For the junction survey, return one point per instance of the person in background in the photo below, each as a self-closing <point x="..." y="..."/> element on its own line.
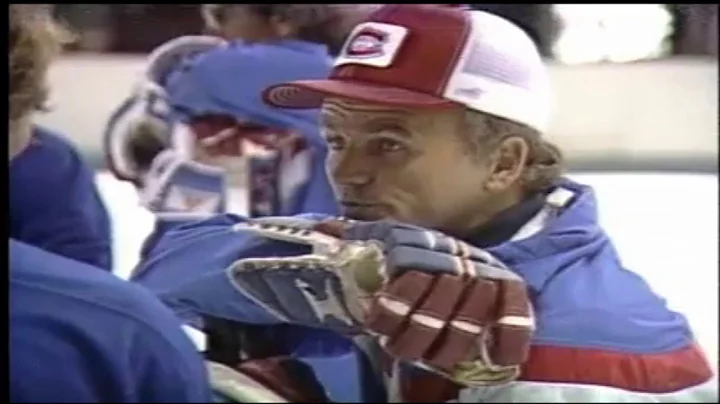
<point x="695" y="29"/>
<point x="54" y="202"/>
<point x="203" y="90"/>
<point x="229" y="152"/>
<point x="78" y="334"/>
<point x="92" y="24"/>
<point x="326" y="24"/>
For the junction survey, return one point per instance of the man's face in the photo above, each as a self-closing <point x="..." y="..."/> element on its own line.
<point x="407" y="165"/>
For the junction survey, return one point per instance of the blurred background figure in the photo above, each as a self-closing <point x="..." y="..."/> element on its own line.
<point x="139" y="28"/>
<point x="319" y="23"/>
<point x="54" y="202"/>
<point x="696" y="29"/>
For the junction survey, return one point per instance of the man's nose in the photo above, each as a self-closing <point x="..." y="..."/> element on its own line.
<point x="351" y="169"/>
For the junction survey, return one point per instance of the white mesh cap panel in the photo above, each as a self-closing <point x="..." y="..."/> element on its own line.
<point x="501" y="72"/>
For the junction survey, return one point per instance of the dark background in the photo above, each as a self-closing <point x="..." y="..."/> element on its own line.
<point x="138" y="28"/>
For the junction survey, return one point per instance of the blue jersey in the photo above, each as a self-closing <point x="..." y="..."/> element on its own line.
<point x="54" y="203"/>
<point x="82" y="335"/>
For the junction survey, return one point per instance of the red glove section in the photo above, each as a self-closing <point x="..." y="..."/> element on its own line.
<point x="446" y="320"/>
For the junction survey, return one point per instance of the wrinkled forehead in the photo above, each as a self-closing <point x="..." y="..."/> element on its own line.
<point x="350" y="112"/>
<point x="346" y="112"/>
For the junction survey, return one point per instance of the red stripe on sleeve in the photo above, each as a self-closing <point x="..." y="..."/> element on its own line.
<point x="649" y="373"/>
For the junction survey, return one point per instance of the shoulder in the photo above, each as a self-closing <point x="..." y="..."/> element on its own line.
<point x="54" y="140"/>
<point x="81" y="296"/>
<point x="53" y="144"/>
<point x="604" y="325"/>
<point x="51" y="161"/>
<point x="54" y="201"/>
<point x="63" y="312"/>
<point x="599" y="323"/>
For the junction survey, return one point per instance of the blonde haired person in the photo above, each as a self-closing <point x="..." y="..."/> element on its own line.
<point x="58" y="209"/>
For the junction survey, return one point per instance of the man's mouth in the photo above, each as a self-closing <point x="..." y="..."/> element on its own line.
<point x="362" y="210"/>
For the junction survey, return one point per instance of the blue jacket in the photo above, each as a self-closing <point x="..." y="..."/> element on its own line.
<point x="602" y="332"/>
<point x="55" y="204"/>
<point x="82" y="335"/>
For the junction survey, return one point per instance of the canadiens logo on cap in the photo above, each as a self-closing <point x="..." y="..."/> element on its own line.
<point x="367" y="42"/>
<point x="373" y="44"/>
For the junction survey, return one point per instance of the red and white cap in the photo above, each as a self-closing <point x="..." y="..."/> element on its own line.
<point x="416" y="56"/>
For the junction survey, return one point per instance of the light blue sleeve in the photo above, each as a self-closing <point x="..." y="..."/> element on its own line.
<point x="208" y="245"/>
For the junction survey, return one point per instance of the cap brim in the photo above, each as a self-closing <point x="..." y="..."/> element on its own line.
<point x="305" y="94"/>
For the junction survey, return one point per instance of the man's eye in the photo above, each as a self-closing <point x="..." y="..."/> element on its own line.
<point x="335" y="142"/>
<point x="388" y="146"/>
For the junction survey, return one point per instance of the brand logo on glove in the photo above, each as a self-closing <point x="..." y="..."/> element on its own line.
<point x="324" y="308"/>
<point x="186" y="199"/>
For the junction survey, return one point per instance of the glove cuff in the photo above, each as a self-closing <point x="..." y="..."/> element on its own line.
<point x="159" y="182"/>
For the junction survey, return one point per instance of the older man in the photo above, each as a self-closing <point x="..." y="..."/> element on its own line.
<point x="479" y="270"/>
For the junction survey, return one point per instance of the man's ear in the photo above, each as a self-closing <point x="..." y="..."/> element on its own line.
<point x="507" y="163"/>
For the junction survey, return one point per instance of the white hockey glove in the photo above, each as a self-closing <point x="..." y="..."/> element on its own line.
<point x="179" y="188"/>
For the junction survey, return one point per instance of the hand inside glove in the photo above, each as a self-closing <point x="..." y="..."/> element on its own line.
<point x="431" y="299"/>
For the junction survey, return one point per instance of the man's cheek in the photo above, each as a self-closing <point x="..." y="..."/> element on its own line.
<point x="331" y="162"/>
<point x="430" y="200"/>
<point x="407" y="199"/>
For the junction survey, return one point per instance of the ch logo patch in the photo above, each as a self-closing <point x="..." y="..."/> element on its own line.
<point x="367" y="43"/>
<point x="372" y="44"/>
